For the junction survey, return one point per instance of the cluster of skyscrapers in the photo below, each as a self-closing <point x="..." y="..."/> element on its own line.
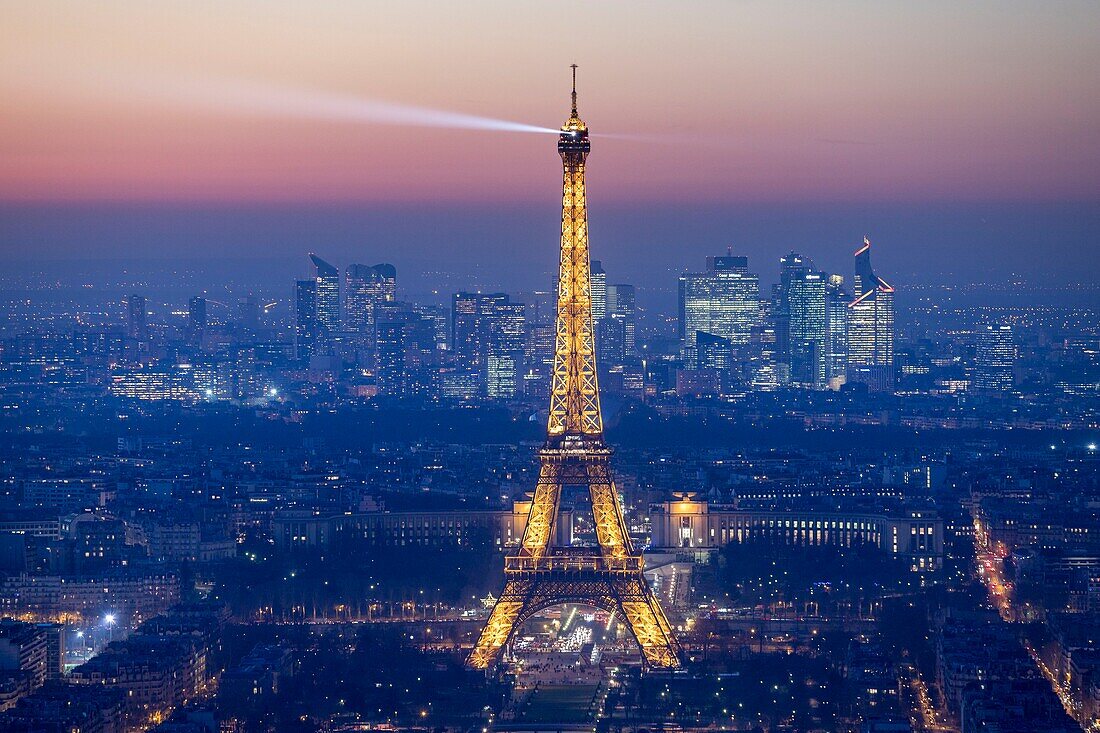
<point x="810" y="333"/>
<point x="319" y="317"/>
<point x="811" y="330"/>
<point x="485" y="345"/>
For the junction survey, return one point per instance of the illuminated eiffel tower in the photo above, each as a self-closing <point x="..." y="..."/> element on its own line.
<point x="540" y="574"/>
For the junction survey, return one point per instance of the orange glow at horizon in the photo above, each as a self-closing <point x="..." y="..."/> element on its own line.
<point x="713" y="101"/>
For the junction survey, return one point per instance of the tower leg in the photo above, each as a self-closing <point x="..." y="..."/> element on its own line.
<point x="629" y="597"/>
<point x="498" y="629"/>
<point x="611" y="530"/>
<point x="647" y="622"/>
<point x="539" y="532"/>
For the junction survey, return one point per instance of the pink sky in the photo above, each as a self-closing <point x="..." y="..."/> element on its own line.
<point x="751" y="100"/>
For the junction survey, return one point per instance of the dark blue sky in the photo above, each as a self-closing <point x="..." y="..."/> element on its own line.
<point x="514" y="247"/>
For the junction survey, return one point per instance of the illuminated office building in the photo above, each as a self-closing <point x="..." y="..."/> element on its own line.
<point x="724" y="301"/>
<point x="440" y="316"/>
<point x="365" y="288"/>
<point x="137" y="327"/>
<point x="620" y="302"/>
<point x="328" y="295"/>
<point x="836" y="332"/>
<point x="306" y="327"/>
<point x="196" y="320"/>
<point x="791" y="266"/>
<point x="505" y="359"/>
<point x="488" y="337"/>
<point x="616" y="331"/>
<point x="407" y="361"/>
<point x="871" y="327"/>
<point x="598" y="284"/>
<point x="995" y="359"/>
<point x="806" y="329"/>
<point x="713" y="352"/>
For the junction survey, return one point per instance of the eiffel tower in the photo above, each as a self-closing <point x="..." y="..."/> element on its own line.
<point x="540" y="574"/>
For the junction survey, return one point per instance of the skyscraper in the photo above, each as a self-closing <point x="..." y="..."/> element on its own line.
<point x="871" y="326"/>
<point x="328" y="294"/>
<point x="365" y="287"/>
<point x="137" y="327"/>
<point x="805" y="300"/>
<point x="470" y="316"/>
<point x="836" y="332"/>
<point x="616" y="332"/>
<point x="505" y="361"/>
<point x="762" y="369"/>
<point x="488" y="337"/>
<point x="196" y="320"/>
<point x="306" y="328"/>
<point x="598" y="284"/>
<point x="713" y="352"/>
<point x="408" y="361"/>
<point x="440" y="316"/>
<point x="723" y="301"/>
<point x="995" y="359"/>
<point x="611" y="341"/>
<point x="791" y="267"/>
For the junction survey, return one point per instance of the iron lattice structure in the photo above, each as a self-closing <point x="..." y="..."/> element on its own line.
<point x="540" y="575"/>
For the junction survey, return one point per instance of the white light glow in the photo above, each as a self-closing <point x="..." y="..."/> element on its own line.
<point x="188" y="92"/>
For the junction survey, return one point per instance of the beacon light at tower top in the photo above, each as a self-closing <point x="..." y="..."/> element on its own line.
<point x="187" y="91"/>
<point x="174" y="88"/>
<point x="236" y="95"/>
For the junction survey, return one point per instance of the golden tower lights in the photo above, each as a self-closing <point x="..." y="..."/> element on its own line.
<point x="541" y="575"/>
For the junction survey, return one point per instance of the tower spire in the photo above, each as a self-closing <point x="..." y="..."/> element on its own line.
<point x="574" y="394"/>
<point x="574" y="67"/>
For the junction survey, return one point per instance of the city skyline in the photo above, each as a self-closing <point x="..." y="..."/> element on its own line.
<point x="300" y="433"/>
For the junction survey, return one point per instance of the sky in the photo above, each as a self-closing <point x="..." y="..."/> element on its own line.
<point x="763" y="126"/>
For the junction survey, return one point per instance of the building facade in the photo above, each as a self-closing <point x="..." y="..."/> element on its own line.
<point x="502" y="529"/>
<point x="691" y="525"/>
